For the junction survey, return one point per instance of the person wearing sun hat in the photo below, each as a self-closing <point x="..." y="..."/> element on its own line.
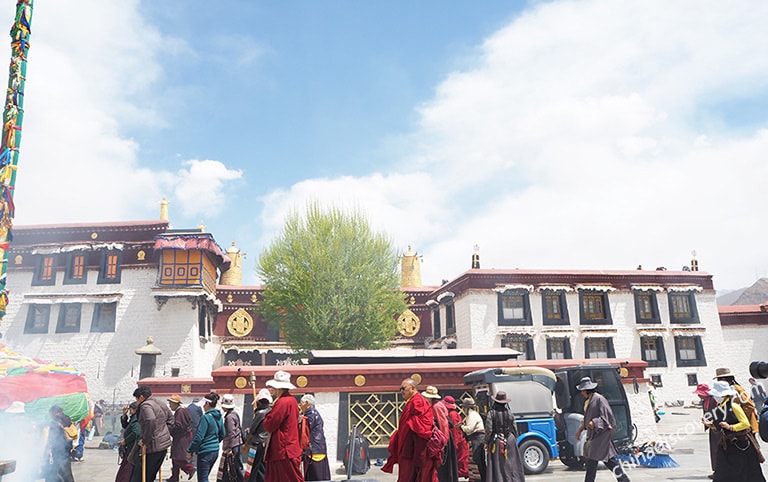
<point x="708" y="404"/>
<point x="503" y="460"/>
<point x="283" y="457"/>
<point x="599" y="423"/>
<point x="259" y="435"/>
<point x="447" y="470"/>
<point x="474" y="430"/>
<point x="459" y="442"/>
<point x="738" y="455"/>
<point x="725" y="375"/>
<point x="230" y="446"/>
<point x="181" y="433"/>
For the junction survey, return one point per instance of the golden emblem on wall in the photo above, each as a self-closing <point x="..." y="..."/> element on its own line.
<point x="186" y="389"/>
<point x="416" y="378"/>
<point x="254" y="298"/>
<point x="239" y="323"/>
<point x="623" y="372"/>
<point x="18" y="259"/>
<point x="408" y="323"/>
<point x="141" y="255"/>
<point x="360" y="380"/>
<point x="302" y="381"/>
<point x="241" y="382"/>
<point x="229" y="298"/>
<point x="94" y="235"/>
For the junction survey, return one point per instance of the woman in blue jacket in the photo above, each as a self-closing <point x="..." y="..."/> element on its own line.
<point x="210" y="433"/>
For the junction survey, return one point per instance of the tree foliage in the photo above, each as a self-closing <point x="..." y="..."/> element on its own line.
<point x="330" y="282"/>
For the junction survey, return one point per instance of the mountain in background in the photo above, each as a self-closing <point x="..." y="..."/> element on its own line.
<point x="757" y="294"/>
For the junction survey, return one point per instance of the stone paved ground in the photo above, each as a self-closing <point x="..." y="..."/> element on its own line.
<point x="679" y="426"/>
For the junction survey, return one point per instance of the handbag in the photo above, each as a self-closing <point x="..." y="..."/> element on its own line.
<point x="70" y="433"/>
<point x="133" y="455"/>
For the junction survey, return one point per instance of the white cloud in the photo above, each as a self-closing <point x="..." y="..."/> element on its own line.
<point x="200" y="188"/>
<point x="91" y="72"/>
<point x="582" y="137"/>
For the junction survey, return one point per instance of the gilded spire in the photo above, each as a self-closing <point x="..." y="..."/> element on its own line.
<point x="164" y="209"/>
<point x="234" y="275"/>
<point x="410" y="269"/>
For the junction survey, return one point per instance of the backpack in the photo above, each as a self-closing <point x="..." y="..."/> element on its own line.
<point x="70" y="433"/>
<point x="436" y="444"/>
<point x="361" y="460"/>
<point x="304" y="432"/>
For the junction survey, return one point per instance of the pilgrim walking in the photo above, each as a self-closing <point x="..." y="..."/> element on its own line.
<point x="599" y="423"/>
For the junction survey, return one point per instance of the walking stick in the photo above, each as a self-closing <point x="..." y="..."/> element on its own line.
<point x="160" y="473"/>
<point x="143" y="463"/>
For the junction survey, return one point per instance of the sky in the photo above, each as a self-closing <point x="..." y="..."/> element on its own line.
<point x="589" y="134"/>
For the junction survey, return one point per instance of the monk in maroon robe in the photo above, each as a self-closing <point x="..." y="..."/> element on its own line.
<point x="408" y="445"/>
<point x="283" y="455"/>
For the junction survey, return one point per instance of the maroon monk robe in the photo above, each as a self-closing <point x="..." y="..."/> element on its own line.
<point x="408" y="445"/>
<point x="283" y="457"/>
<point x="462" y="449"/>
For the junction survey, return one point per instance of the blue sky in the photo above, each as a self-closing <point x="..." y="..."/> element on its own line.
<point x="557" y="135"/>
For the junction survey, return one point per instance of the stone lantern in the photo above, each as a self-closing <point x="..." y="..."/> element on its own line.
<point x="148" y="353"/>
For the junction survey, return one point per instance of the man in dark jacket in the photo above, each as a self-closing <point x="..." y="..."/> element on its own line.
<point x="155" y="420"/>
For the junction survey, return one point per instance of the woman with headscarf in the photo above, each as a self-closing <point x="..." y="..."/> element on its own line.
<point x="503" y="461"/>
<point x="708" y="405"/>
<point x="210" y="433"/>
<point x="459" y="441"/>
<point x="738" y="456"/>
<point x="446" y="469"/>
<point x="131" y="435"/>
<point x="315" y="457"/>
<point x="58" y="448"/>
<point x="259" y="435"/>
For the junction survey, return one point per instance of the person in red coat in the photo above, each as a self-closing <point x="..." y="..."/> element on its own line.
<point x="283" y="456"/>
<point x="462" y="449"/>
<point x="408" y="445"/>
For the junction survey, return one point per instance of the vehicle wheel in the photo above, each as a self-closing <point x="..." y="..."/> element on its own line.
<point x="535" y="456"/>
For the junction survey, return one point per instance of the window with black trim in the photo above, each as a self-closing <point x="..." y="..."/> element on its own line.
<point x="594" y="307"/>
<point x="693" y="379"/>
<point x="656" y="381"/>
<point x="450" y="323"/>
<point x="599" y="348"/>
<point x="104" y="317"/>
<point x="554" y="308"/>
<point x="646" y="307"/>
<point x="682" y="307"/>
<point x="689" y="351"/>
<point x="559" y="349"/>
<point x="652" y="351"/>
<point x="75" y="273"/>
<point x="521" y="343"/>
<point x="514" y="308"/>
<point x="45" y="275"/>
<point x="109" y="271"/>
<point x="38" y="318"/>
<point x="69" y="318"/>
<point x="436" y="333"/>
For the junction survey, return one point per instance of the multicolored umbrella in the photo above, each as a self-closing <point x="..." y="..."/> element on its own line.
<point x="38" y="385"/>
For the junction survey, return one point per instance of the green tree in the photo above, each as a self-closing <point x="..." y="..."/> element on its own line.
<point x="330" y="282"/>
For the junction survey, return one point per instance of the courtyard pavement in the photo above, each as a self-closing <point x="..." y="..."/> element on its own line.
<point x="679" y="426"/>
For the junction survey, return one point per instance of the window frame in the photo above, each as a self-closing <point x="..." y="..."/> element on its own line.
<point x="609" y="349"/>
<point x="41" y="269"/>
<point x="654" y="302"/>
<point x="104" y="265"/>
<point x="661" y="356"/>
<point x="526" y="320"/>
<point x="29" y="327"/>
<point x="606" y="307"/>
<point x="69" y="278"/>
<point x="62" y="318"/>
<point x="530" y="354"/>
<point x="450" y="318"/>
<point x="436" y="328"/>
<point x="701" y="358"/>
<point x="694" y="312"/>
<point x="567" y="353"/>
<point x="546" y="312"/>
<point x="96" y="320"/>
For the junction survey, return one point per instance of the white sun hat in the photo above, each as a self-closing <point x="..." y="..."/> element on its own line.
<point x="281" y="379"/>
